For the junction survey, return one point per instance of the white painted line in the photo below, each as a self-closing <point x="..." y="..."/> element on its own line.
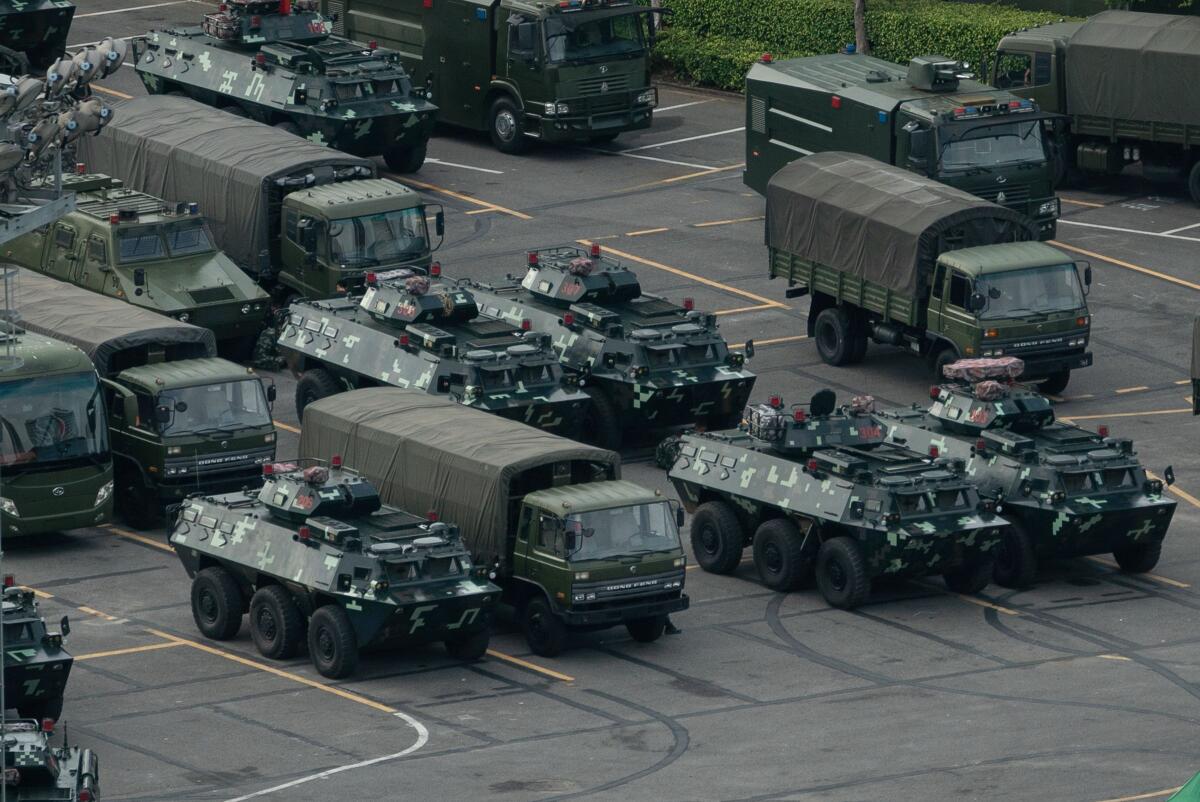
<point x="803" y="120"/>
<point x="648" y="158"/>
<point x="1167" y="235"/>
<point x="680" y="141"/>
<point x="422" y="739"/>
<point x="134" y="8"/>
<point x="1182" y="228"/>
<point x="464" y="166"/>
<point x="681" y="106"/>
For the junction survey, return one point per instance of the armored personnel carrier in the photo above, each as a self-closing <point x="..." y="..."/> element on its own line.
<point x="646" y="362"/>
<point x="35" y="770"/>
<point x="276" y="61"/>
<point x="315" y="548"/>
<point x="36" y="665"/>
<point x="1066" y="491"/>
<point x="417" y="332"/>
<point x="819" y="489"/>
<point x="34" y="34"/>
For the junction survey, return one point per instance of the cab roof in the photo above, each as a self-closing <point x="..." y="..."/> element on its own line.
<point x="592" y="496"/>
<point x="353" y="198"/>
<point x="185" y="373"/>
<point x="1002" y="257"/>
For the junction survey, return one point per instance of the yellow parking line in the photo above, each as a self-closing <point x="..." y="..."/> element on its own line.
<point x="728" y="222"/>
<point x="145" y="541"/>
<point x="744" y="309"/>
<point x="508" y="658"/>
<point x="1081" y="203"/>
<point x="1183" y="494"/>
<point x="97" y="613"/>
<point x="1184" y="381"/>
<point x="1151" y="795"/>
<point x="287" y="427"/>
<point x="646" y="231"/>
<point x="774" y="341"/>
<point x="486" y="206"/>
<point x="1127" y="265"/>
<point x="149" y="647"/>
<point x="1073" y="418"/>
<point x="1116" y="657"/>
<point x="1175" y="583"/>
<point x="1137" y="389"/>
<point x="686" y="176"/>
<point x="112" y="92"/>
<point x="41" y="594"/>
<point x="985" y="603"/>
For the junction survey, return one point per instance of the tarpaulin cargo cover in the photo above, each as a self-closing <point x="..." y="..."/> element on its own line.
<point x="880" y="223"/>
<point x="426" y="453"/>
<point x="181" y="150"/>
<point x="1136" y="66"/>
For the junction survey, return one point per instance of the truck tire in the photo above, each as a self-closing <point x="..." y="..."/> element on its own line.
<point x="969" y="579"/>
<point x="717" y="537"/>
<point x="289" y="126"/>
<point x="1016" y="560"/>
<point x="1138" y="558"/>
<point x="506" y="125"/>
<point x="276" y="623"/>
<point x="1055" y="383"/>
<point x="217" y="603"/>
<point x="42" y="709"/>
<point x="331" y="642"/>
<point x="1194" y="182"/>
<point x="601" y="424"/>
<point x="314" y="385"/>
<point x="404" y="160"/>
<point x="832" y="332"/>
<point x="236" y="111"/>
<point x="842" y="574"/>
<point x="545" y="632"/>
<point x="941" y="359"/>
<point x="646" y="630"/>
<point x="469" y="647"/>
<point x="779" y="556"/>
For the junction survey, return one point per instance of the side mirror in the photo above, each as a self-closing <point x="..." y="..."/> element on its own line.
<point x="1169" y="475"/>
<point x="919" y="142"/>
<point x="569" y="542"/>
<point x="272" y="393"/>
<point x="1087" y="276"/>
<point x="139" y="277"/>
<point x="162" y="414"/>
<point x="64" y="626"/>
<point x="680" y="517"/>
<point x="439" y="224"/>
<point x="976" y="303"/>
<point x="749" y="349"/>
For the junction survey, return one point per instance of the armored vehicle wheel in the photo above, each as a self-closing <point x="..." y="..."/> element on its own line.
<point x="331" y="642"/>
<point x="507" y="126"/>
<point x="969" y="579"/>
<point x="601" y="425"/>
<point x="1056" y="383"/>
<point x="469" y="647"/>
<point x="940" y="360"/>
<point x="42" y="709"/>
<point x="779" y="555"/>
<point x="1138" y="558"/>
<point x="544" y="631"/>
<point x="842" y="574"/>
<point x="175" y="93"/>
<point x="832" y="332"/>
<point x="1016" y="561"/>
<point x="647" y="630"/>
<point x="405" y="160"/>
<point x="276" y="623"/>
<point x="717" y="537"/>
<point x="217" y="603"/>
<point x="138" y="505"/>
<point x="314" y="385"/>
<point x="290" y="127"/>
<point x="1194" y="182"/>
<point x="236" y="111"/>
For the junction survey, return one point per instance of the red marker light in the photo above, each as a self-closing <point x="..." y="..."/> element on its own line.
<point x="526" y="324"/>
<point x="799" y="415"/>
<point x="303" y="533"/>
<point x="85" y="795"/>
<point x="533" y="257"/>
<point x="981" y="445"/>
<point x="260" y="59"/>
<point x="403" y="341"/>
<point x="427" y="4"/>
<point x="372" y="45"/>
<point x="432" y="516"/>
<point x="268" y="470"/>
<point x="113" y="219"/>
<point x="256" y="21"/>
<point x="80" y="168"/>
<point x="435" y="269"/>
<point x="835" y="101"/>
<point x="47" y="725"/>
<point x="775" y="401"/>
<point x="935" y="392"/>
<point x="933" y="452"/>
<point x="595" y="250"/>
<point x="285" y="7"/>
<point x="1014" y="104"/>
<point x="568" y="319"/>
<point x="9" y="580"/>
<point x="689" y="304"/>
<point x="1103" y="430"/>
<point x="371" y="279"/>
<point x="812" y="466"/>
<point x="336" y="461"/>
<point x="766" y="58"/>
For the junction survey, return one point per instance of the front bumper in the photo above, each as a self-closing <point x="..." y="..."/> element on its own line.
<point x="592" y="116"/>
<point x="57" y="522"/>
<point x="581" y="616"/>
<point x="228" y="322"/>
<point x="558" y="411"/>
<point x="1047" y="221"/>
<point x="909" y="552"/>
<point x="372" y="134"/>
<point x="661" y="404"/>
<point x="1038" y="366"/>
<point x="1080" y="527"/>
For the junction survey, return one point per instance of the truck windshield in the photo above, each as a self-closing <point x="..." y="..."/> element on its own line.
<point x="51" y="420"/>
<point x="578" y="37"/>
<point x="623" y="531"/>
<point x="1031" y="291"/>
<point x="220" y="407"/>
<point x="188" y="239"/>
<point x="140" y="245"/>
<point x="987" y="146"/>
<point x="375" y="238"/>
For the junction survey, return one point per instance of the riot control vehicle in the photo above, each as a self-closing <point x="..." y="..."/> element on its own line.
<point x="36" y="665"/>
<point x="35" y="770"/>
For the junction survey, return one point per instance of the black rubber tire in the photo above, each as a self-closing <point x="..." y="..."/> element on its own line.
<point x="969" y="579"/>
<point x="940" y="360"/>
<point x="217" y="603"/>
<point x="1055" y="384"/>
<point x="1194" y="182"/>
<point x="469" y="647"/>
<point x="832" y="333"/>
<point x="314" y="385"/>
<point x="276" y="623"/>
<point x="405" y="160"/>
<point x="1016" y="560"/>
<point x="545" y="632"/>
<point x="236" y="111"/>
<point x="332" y="645"/>
<point x="779" y="556"/>
<point x="717" y="537"/>
<point x="516" y="142"/>
<point x="601" y="424"/>
<point x="842" y="573"/>
<point x="1138" y="558"/>
<point x="858" y="349"/>
<point x="139" y="505"/>
<point x="42" y="709"/>
<point x="289" y="126"/>
<point x="647" y="630"/>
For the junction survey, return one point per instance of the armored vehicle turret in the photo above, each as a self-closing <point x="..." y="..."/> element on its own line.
<point x="421" y="333"/>
<point x="316" y="543"/>
<point x="819" y="488"/>
<point x="34" y="34"/>
<point x="275" y="61"/>
<point x="36" y="770"/>
<point x="36" y="665"/>
<point x="1067" y="491"/>
<point x="646" y="363"/>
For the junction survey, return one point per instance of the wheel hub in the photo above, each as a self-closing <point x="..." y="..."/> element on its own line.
<point x="208" y="606"/>
<point x="506" y="125"/>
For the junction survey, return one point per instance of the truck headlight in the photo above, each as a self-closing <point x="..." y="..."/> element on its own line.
<point x="561" y="108"/>
<point x="103" y="494"/>
<point x="1048" y="208"/>
<point x="582" y="576"/>
<point x="679" y="561"/>
<point x="245" y="309"/>
<point x="184" y="317"/>
<point x="269" y="438"/>
<point x="648" y="98"/>
<point x="174" y="450"/>
<point x="9" y="506"/>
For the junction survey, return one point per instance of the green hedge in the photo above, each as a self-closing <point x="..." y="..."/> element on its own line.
<point x="714" y="41"/>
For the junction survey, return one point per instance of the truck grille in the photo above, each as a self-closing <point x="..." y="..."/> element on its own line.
<point x="603" y="85"/>
<point x="208" y="295"/>
<point x="216" y="463"/>
<point x="634" y="586"/>
<point x="1014" y="197"/>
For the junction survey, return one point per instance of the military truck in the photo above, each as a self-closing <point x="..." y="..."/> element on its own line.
<point x="646" y="362"/>
<point x="926" y="118"/>
<point x="574" y="71"/>
<point x="276" y="62"/>
<point x="150" y="253"/>
<point x="301" y="219"/>
<point x="816" y="490"/>
<point x="34" y="770"/>
<point x="34" y="34"/>
<point x="422" y="333"/>
<point x="315" y="549"/>
<point x="572" y="545"/>
<point x="1124" y="81"/>
<point x="180" y="419"/>
<point x="910" y="262"/>
<point x="1066" y="491"/>
<point x="36" y="665"/>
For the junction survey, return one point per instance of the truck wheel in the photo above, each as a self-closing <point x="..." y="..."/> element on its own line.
<point x="314" y="385"/>
<point x="779" y="555"/>
<point x="842" y="574"/>
<point x="404" y="160"/>
<point x="276" y="623"/>
<point x="138" y="505"/>
<point x="236" y="111"/>
<point x="1016" y="560"/>
<point x="970" y="579"/>
<point x="1055" y="383"/>
<point x="217" y="603"/>
<point x="1194" y="182"/>
<point x="289" y="126"/>
<point x="717" y="537"/>
<point x="469" y="647"/>
<point x="832" y="332"/>
<point x="1138" y="558"/>
<point x="331" y="642"/>
<point x="545" y="632"/>
<point x="601" y="425"/>
<point x="940" y="360"/>
<point x="42" y="709"/>
<point x="506" y="125"/>
<point x="858" y="349"/>
<point x="646" y="630"/>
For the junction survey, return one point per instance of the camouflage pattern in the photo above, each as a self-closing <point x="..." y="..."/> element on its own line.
<point x="36" y="665"/>
<point x="35" y="770"/>
<point x="33" y="33"/>
<point x="657" y="363"/>
<point x="278" y="63"/>
<point x="407" y="332"/>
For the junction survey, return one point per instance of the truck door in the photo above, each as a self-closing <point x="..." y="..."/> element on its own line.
<point x="60" y="261"/>
<point x="459" y="55"/>
<point x="524" y="54"/>
<point x="520" y="560"/>
<point x="937" y="293"/>
<point x="93" y="268"/>
<point x="1028" y="75"/>
<point x="959" y="325"/>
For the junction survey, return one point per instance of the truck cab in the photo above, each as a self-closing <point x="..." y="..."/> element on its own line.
<point x="1029" y="63"/>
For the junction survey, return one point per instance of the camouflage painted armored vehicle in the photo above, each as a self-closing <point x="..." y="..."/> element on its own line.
<point x="645" y="362"/>
<point x="276" y="61"/>
<point x="33" y="34"/>
<point x="421" y="333"/>
<point x="819" y="489"/>
<point x="1066" y="491"/>
<point x="315" y="549"/>
<point x="37" y="771"/>
<point x="36" y="665"/>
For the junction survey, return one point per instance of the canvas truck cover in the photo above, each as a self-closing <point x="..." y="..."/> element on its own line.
<point x="181" y="150"/>
<point x="106" y="329"/>
<point x="426" y="453"/>
<point x="1136" y="66"/>
<point x="878" y="222"/>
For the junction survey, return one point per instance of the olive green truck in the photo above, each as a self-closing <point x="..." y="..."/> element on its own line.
<point x="890" y="257"/>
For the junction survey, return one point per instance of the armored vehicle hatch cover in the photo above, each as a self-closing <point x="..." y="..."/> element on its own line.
<point x="36" y="665"/>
